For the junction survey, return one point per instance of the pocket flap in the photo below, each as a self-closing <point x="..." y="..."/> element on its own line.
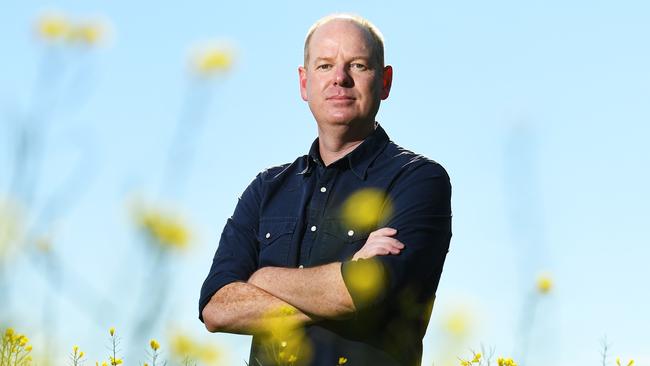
<point x="270" y="231"/>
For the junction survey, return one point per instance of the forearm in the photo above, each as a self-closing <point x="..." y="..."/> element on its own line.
<point x="318" y="290"/>
<point x="243" y="308"/>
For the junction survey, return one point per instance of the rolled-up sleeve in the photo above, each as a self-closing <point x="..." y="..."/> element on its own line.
<point x="421" y="214"/>
<point x="236" y="257"/>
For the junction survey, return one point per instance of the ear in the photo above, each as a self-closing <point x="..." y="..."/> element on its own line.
<point x="387" y="82"/>
<point x="302" y="77"/>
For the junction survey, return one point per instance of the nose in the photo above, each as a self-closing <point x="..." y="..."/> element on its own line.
<point x="342" y="77"/>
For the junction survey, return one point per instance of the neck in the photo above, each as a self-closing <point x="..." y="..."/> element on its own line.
<point x="334" y="142"/>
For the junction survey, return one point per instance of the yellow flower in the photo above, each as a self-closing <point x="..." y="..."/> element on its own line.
<point x="292" y="358"/>
<point x="81" y="354"/>
<point x="367" y="278"/>
<point x="477" y="358"/>
<point x="366" y="208"/>
<point x="75" y="349"/>
<point x="342" y="360"/>
<point x="618" y="362"/>
<point x="544" y="283"/>
<point x="506" y="362"/>
<point x="52" y="27"/>
<point x="211" y="59"/>
<point x="28" y="348"/>
<point x="89" y="33"/>
<point x="115" y="361"/>
<point x="111" y="331"/>
<point x="168" y="231"/>
<point x="104" y="363"/>
<point x="183" y="346"/>
<point x="154" y="345"/>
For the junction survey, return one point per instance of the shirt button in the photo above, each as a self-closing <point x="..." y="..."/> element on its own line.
<point x="351" y="232"/>
<point x="268" y="235"/>
<point x="301" y="266"/>
<point x="313" y="228"/>
<point x="323" y="189"/>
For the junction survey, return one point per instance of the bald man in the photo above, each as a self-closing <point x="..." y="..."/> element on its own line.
<point x="358" y="291"/>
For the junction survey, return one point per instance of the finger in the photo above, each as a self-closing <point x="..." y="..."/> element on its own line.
<point x="385" y="240"/>
<point x="385" y="231"/>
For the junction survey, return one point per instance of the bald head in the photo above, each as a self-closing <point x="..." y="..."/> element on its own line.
<point x="373" y="34"/>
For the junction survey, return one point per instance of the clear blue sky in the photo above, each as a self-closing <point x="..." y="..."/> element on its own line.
<point x="538" y="110"/>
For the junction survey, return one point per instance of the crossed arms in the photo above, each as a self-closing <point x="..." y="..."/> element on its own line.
<point x="422" y="220"/>
<point x="308" y="293"/>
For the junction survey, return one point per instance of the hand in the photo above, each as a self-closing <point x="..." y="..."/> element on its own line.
<point x="380" y="243"/>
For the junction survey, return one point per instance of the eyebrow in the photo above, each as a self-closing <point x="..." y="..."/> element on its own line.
<point x="365" y="58"/>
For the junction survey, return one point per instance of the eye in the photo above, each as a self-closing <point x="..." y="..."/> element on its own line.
<point x="324" y="67"/>
<point x="358" y="66"/>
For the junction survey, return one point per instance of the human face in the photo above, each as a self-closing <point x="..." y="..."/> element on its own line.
<point x="342" y="81"/>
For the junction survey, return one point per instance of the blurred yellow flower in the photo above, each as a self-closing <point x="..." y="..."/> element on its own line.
<point x="458" y="322"/>
<point x="366" y="277"/>
<point x="506" y="362"/>
<point x="184" y="346"/>
<point x="477" y="358"/>
<point x="154" y="345"/>
<point x="281" y="328"/>
<point x="111" y="331"/>
<point x="618" y="362"/>
<point x="115" y="361"/>
<point x="168" y="231"/>
<point x="366" y="208"/>
<point x="89" y="33"/>
<point x="342" y="360"/>
<point x="544" y="283"/>
<point x="55" y="27"/>
<point x="211" y="59"/>
<point x="52" y="27"/>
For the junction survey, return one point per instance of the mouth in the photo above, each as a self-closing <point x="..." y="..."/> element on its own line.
<point x="340" y="98"/>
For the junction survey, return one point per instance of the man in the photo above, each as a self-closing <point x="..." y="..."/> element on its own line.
<point x="358" y="277"/>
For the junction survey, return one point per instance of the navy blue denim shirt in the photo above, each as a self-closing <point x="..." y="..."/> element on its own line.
<point x="291" y="216"/>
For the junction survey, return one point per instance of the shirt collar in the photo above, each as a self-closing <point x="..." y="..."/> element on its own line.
<point x="358" y="159"/>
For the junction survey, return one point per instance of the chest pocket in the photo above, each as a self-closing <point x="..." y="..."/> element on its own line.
<point x="339" y="242"/>
<point x="274" y="237"/>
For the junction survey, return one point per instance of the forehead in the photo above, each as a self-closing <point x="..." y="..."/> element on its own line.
<point x="340" y="35"/>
